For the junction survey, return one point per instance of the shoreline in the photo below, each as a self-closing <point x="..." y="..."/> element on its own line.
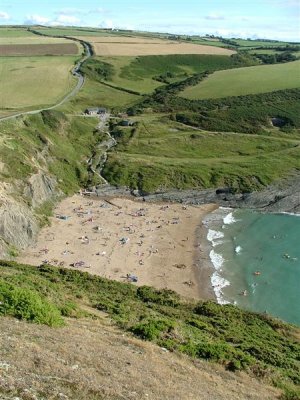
<point x="204" y="268"/>
<point x="122" y="238"/>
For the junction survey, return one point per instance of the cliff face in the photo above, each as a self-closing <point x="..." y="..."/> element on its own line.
<point x="18" y="222"/>
<point x="43" y="156"/>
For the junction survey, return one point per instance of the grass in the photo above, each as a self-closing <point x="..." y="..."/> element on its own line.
<point x="144" y="74"/>
<point x="32" y="82"/>
<point x="23" y="36"/>
<point x="250" y="80"/>
<point x="258" y="43"/>
<point x="160" y="154"/>
<point x="51" y="142"/>
<point x="96" y="94"/>
<point x="239" y="340"/>
<point x="68" y="31"/>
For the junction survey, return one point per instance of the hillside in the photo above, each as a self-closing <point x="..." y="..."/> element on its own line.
<point x="238" y="340"/>
<point x="91" y="359"/>
<point x="68" y="334"/>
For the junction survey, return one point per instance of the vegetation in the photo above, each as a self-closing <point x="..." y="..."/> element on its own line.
<point x="239" y="340"/>
<point x="24" y="79"/>
<point x="49" y="141"/>
<point x="274" y="58"/>
<point x="242" y="81"/>
<point x="159" y="154"/>
<point x="52" y="49"/>
<point x="15" y="35"/>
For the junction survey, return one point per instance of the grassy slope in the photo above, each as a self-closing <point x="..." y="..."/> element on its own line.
<point x="47" y="141"/>
<point x="224" y="334"/>
<point x="160" y="154"/>
<point x="95" y="94"/>
<point x="141" y="74"/>
<point x="250" y="80"/>
<point x="30" y="82"/>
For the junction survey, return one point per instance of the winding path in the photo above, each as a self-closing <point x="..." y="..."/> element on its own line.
<point x="75" y="72"/>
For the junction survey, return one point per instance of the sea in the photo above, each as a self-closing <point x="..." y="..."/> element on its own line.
<point x="256" y="257"/>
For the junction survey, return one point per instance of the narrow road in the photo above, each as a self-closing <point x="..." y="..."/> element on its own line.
<point x="75" y="72"/>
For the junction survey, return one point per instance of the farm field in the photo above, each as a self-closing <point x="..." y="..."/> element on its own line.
<point x="158" y="154"/>
<point x="258" y="43"/>
<point x="52" y="49"/>
<point x="22" y="36"/>
<point x="145" y="73"/>
<point x="249" y="80"/>
<point x="123" y="46"/>
<point x="209" y="42"/>
<point x="69" y="31"/>
<point x="34" y="81"/>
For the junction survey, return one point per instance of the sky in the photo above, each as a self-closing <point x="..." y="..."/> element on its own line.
<point x="272" y="19"/>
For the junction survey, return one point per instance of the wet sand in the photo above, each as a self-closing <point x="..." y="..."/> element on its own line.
<point x="161" y="245"/>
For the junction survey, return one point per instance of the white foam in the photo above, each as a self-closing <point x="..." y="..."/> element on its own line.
<point x="217" y="260"/>
<point x="290" y="213"/>
<point x="214" y="237"/>
<point x="218" y="283"/>
<point x="238" y="249"/>
<point x="229" y="219"/>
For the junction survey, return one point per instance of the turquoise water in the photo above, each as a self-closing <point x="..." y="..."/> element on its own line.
<point x="246" y="242"/>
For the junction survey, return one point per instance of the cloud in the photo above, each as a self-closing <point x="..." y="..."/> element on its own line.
<point x="33" y="19"/>
<point x="107" y="24"/>
<point x="67" y="19"/>
<point x="214" y="17"/>
<point x="68" y="11"/>
<point x="4" y="15"/>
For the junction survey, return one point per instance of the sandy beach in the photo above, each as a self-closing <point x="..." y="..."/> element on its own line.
<point x="161" y="245"/>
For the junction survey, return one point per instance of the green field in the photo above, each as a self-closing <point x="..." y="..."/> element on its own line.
<point x="258" y="43"/>
<point x="250" y="80"/>
<point x="146" y="73"/>
<point x="28" y="82"/>
<point x="22" y="36"/>
<point x="95" y="94"/>
<point x="159" y="154"/>
<point x="74" y="31"/>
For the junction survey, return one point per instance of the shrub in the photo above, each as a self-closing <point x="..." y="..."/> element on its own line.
<point x="152" y="329"/>
<point x="28" y="305"/>
<point x="163" y="297"/>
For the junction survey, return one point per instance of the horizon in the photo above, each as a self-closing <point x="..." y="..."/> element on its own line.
<point x="262" y="19"/>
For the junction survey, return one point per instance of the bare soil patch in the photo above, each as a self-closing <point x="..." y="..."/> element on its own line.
<point x="54" y="49"/>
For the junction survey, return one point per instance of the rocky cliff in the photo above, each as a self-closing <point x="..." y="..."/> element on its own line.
<point x="18" y="221"/>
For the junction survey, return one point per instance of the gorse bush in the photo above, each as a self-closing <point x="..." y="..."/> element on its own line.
<point x="28" y="305"/>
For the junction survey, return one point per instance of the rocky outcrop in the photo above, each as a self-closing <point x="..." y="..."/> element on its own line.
<point x="40" y="188"/>
<point x="18" y="226"/>
<point x="282" y="196"/>
<point x="18" y="223"/>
